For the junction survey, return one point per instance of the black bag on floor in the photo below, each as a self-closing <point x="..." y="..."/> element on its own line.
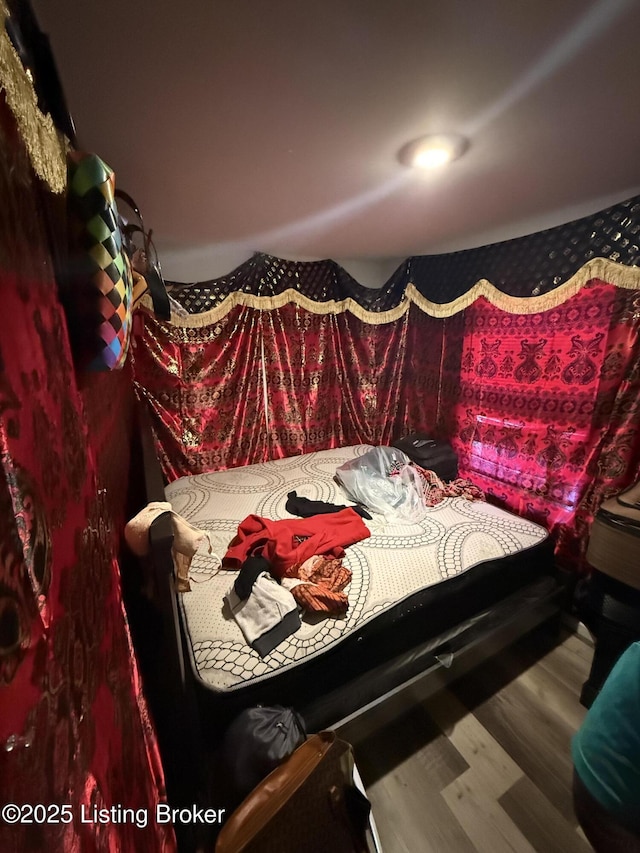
<point x="256" y="742"/>
<point x="430" y="453"/>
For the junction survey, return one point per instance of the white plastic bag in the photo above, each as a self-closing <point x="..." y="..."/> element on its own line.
<point x="368" y="480"/>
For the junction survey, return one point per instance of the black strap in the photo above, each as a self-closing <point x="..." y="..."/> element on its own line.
<point x="153" y="274"/>
<point x="305" y="508"/>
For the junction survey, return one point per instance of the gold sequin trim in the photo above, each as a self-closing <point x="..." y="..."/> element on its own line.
<point x="46" y="146"/>
<point x="608" y="271"/>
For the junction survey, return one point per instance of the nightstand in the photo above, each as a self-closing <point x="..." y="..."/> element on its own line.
<point x="611" y="611"/>
<point x="609" y="600"/>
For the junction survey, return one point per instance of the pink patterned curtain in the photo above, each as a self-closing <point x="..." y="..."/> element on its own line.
<point x="547" y="412"/>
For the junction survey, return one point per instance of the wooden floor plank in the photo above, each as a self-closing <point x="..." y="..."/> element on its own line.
<point x="524" y="724"/>
<point x="412" y="817"/>
<point x="415" y="737"/>
<point x="544" y="827"/>
<point x="482" y="818"/>
<point x="493" y="768"/>
<point x="545" y="685"/>
<point x="485" y="764"/>
<point x="570" y="662"/>
<point x="537" y="742"/>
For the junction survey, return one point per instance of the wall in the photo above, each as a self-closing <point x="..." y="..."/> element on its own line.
<point x="204" y="264"/>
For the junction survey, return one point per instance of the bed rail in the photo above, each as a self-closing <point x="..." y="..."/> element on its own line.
<point x="167" y="683"/>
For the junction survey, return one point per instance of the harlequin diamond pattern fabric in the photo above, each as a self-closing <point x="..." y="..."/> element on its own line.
<point x="100" y="288"/>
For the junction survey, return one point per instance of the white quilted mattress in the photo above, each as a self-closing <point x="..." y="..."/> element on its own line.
<point x="398" y="559"/>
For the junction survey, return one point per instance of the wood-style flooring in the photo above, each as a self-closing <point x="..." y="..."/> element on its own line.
<point x="484" y="765"/>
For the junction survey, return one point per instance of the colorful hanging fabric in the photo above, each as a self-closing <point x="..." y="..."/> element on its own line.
<point x="98" y="290"/>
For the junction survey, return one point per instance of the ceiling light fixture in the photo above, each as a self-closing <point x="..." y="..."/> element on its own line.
<point x="430" y="152"/>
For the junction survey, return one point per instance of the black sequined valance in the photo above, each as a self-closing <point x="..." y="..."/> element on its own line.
<point x="535" y="264"/>
<point x="265" y="275"/>
<point x="529" y="266"/>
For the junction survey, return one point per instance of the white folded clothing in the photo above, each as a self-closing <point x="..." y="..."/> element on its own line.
<point x="268" y="616"/>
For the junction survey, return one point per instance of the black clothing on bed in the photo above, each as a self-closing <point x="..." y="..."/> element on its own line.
<point x="305" y="507"/>
<point x="248" y="574"/>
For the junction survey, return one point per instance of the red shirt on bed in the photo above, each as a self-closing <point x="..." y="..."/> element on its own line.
<point x="286" y="544"/>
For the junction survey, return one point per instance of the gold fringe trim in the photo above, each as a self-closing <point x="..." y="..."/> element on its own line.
<point x="271" y="303"/>
<point x="46" y="146"/>
<point x="608" y="271"/>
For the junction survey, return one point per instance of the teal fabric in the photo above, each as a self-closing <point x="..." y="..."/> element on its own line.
<point x="606" y="749"/>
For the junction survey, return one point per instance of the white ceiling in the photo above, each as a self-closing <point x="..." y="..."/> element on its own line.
<point x="274" y="125"/>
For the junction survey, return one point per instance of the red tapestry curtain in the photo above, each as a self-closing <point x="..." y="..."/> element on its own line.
<point x="74" y="728"/>
<point x="546" y="417"/>
<point x="203" y="390"/>
<point x="266" y="384"/>
<point x="336" y="379"/>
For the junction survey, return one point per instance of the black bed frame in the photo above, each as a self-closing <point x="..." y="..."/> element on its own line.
<point x="183" y="709"/>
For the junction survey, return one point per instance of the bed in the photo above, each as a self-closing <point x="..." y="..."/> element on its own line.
<point x="425" y="599"/>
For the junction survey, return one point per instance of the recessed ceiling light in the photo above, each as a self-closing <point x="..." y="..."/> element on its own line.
<point x="430" y="152"/>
